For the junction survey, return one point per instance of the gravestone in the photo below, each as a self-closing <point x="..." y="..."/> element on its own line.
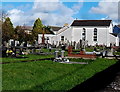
<point x="110" y="53"/>
<point x="11" y="42"/>
<point x="14" y="52"/>
<point x="63" y="47"/>
<point x="80" y="43"/>
<point x="75" y="46"/>
<point x="69" y="49"/>
<point x="56" y="54"/>
<point x="62" y="54"/>
<point x="4" y="49"/>
<point x="5" y="43"/>
<point x="25" y="44"/>
<point x="16" y="43"/>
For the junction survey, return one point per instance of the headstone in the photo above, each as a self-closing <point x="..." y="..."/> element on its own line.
<point x="14" y="51"/>
<point x="56" y="54"/>
<point x="16" y="43"/>
<point x="75" y="46"/>
<point x="80" y="43"/>
<point x="63" y="47"/>
<point x="11" y="42"/>
<point x="25" y="44"/>
<point x="71" y="43"/>
<point x="4" y="49"/>
<point x="83" y="44"/>
<point x="62" y="54"/>
<point x="69" y="49"/>
<point x="36" y="43"/>
<point x="43" y="39"/>
<point x="110" y="53"/>
<point x="5" y="43"/>
<point x="49" y="48"/>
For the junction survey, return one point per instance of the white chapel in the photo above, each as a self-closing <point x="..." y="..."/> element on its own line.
<point x="92" y="32"/>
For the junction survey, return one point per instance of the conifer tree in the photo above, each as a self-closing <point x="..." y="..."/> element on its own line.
<point x="37" y="28"/>
<point x="7" y="30"/>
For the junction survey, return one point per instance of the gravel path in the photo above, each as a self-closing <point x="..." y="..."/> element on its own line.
<point x="74" y="62"/>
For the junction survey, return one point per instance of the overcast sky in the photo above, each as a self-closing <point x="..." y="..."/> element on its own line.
<point x="59" y="13"/>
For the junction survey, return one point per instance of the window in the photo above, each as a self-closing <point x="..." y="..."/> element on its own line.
<point x="84" y="34"/>
<point x="62" y="38"/>
<point x="95" y="34"/>
<point x="47" y="38"/>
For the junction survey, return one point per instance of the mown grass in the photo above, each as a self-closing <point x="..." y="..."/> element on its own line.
<point x="80" y="60"/>
<point x="29" y="57"/>
<point x="48" y="75"/>
<point x="116" y="53"/>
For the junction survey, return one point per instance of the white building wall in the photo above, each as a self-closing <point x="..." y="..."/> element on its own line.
<point x="102" y="35"/>
<point x="113" y="40"/>
<point x="66" y="32"/>
<point x="74" y="33"/>
<point x="77" y="34"/>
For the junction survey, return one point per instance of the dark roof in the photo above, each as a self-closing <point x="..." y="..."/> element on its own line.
<point x="91" y="23"/>
<point x="114" y="34"/>
<point x="55" y="28"/>
<point x="116" y="29"/>
<point x="27" y="27"/>
<point x="118" y="25"/>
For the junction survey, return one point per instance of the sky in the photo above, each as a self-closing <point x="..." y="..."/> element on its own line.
<point x="58" y="13"/>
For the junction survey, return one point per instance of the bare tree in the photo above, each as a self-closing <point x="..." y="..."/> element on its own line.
<point x="3" y="15"/>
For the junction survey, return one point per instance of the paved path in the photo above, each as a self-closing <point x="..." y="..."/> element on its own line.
<point x="74" y="62"/>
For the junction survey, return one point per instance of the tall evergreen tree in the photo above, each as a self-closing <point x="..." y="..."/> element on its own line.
<point x="7" y="30"/>
<point x="37" y="28"/>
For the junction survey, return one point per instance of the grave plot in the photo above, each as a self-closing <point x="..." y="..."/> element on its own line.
<point x="82" y="54"/>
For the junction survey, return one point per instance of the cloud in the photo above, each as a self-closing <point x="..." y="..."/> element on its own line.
<point x="51" y="13"/>
<point x="19" y="17"/>
<point x="110" y="9"/>
<point x="77" y="7"/>
<point x="16" y="16"/>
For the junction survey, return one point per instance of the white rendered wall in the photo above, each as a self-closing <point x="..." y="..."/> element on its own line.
<point x="66" y="32"/>
<point x="103" y="35"/>
<point x="74" y="33"/>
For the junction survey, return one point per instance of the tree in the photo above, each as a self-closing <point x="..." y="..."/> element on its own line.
<point x="22" y="36"/>
<point x="47" y="30"/>
<point x="7" y="30"/>
<point x="3" y="15"/>
<point x="37" y="28"/>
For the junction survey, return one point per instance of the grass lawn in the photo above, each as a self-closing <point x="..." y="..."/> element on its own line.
<point x="48" y="75"/>
<point x="30" y="57"/>
<point x="116" y="53"/>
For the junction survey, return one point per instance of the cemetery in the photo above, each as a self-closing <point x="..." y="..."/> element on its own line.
<point x="31" y="62"/>
<point x="41" y="68"/>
